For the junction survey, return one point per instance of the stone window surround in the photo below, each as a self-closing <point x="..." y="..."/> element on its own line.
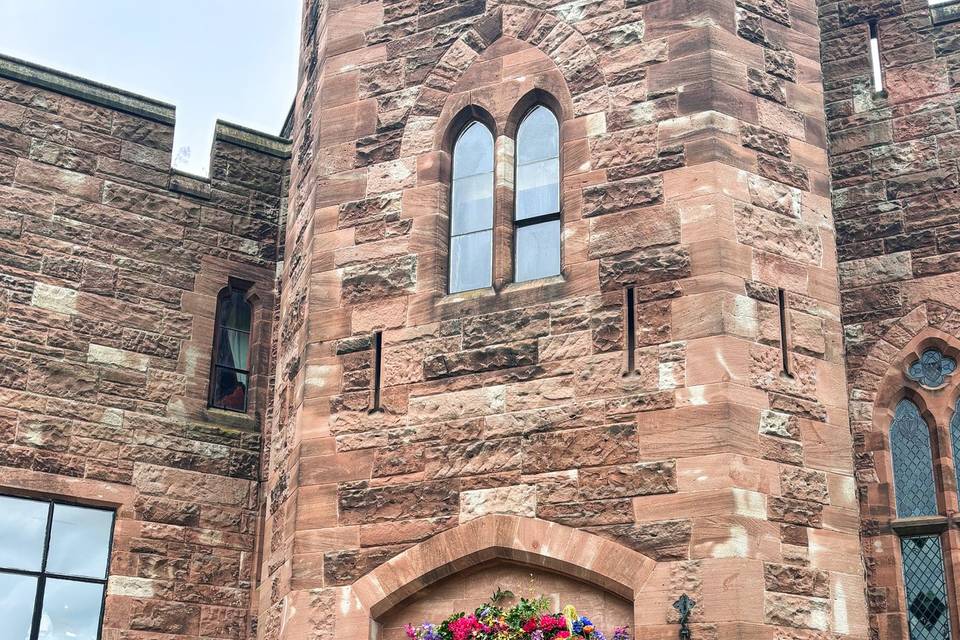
<point x="504" y="229"/>
<point x="936" y="407"/>
<point x="214" y="276"/>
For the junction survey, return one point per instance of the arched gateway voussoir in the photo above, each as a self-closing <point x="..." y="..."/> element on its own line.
<point x="531" y="541"/>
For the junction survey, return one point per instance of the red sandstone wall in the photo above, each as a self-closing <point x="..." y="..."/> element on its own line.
<point x="894" y="167"/>
<point x="109" y="269"/>
<point x="695" y="169"/>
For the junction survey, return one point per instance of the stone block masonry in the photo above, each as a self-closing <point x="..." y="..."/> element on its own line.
<point x="694" y="170"/>
<point x="110" y="265"/>
<point x="407" y="451"/>
<point x="895" y="189"/>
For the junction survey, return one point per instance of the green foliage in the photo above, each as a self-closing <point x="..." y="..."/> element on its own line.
<point x="526" y="609"/>
<point x="499" y="596"/>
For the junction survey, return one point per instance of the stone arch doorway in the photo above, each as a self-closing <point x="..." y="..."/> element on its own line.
<point x="470" y="588"/>
<point x="496" y="545"/>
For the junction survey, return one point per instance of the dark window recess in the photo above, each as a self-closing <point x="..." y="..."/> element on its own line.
<point x="630" y="328"/>
<point x="377" y="364"/>
<point x="54" y="560"/>
<point x="230" y="376"/>
<point x="784" y="338"/>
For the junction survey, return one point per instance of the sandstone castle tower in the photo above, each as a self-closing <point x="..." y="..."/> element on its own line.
<point x="605" y="300"/>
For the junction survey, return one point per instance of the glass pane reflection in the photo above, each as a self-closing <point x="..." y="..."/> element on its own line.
<point x="71" y="610"/>
<point x="79" y="541"/>
<point x="538" y="164"/>
<point x="23" y="527"/>
<point x="470" y="261"/>
<point x="17" y="594"/>
<point x="471" y="210"/>
<point x="538" y="137"/>
<point x="473" y="152"/>
<point x="538" y="251"/>
<point x="538" y="189"/>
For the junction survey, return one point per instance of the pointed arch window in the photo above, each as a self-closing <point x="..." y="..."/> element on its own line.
<point x="913" y="482"/>
<point x="537" y="207"/>
<point x="471" y="210"/>
<point x="230" y="374"/>
<point x="918" y="520"/>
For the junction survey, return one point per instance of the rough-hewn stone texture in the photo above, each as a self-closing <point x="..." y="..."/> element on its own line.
<point x="110" y="264"/>
<point x="694" y="169"/>
<point x="893" y="164"/>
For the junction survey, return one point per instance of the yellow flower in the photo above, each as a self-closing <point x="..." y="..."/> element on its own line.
<point x="571" y="615"/>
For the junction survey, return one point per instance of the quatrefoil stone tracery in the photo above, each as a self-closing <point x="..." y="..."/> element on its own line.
<point x="931" y="369"/>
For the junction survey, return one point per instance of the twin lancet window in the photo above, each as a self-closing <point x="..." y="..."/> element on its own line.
<point x="921" y="501"/>
<point x="536" y="210"/>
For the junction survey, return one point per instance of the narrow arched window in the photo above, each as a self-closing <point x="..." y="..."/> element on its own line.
<point x="537" y="210"/>
<point x="955" y="442"/>
<point x="912" y="463"/>
<point x="230" y="375"/>
<point x="471" y="210"/>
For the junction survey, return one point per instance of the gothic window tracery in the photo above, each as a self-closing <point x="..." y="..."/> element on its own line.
<point x="917" y="457"/>
<point x="478" y="215"/>
<point x="931" y="368"/>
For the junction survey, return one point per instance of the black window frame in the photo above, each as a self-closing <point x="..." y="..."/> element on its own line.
<point x="243" y="288"/>
<point x="43" y="574"/>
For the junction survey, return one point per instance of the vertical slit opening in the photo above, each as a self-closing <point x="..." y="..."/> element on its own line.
<point x="377" y="363"/>
<point x="875" y="58"/>
<point x="784" y="339"/>
<point x="630" y="310"/>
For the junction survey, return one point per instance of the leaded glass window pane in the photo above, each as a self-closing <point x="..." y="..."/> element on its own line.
<point x="926" y="588"/>
<point x="955" y="440"/>
<point x="471" y="210"/>
<point x="932" y="368"/>
<point x="912" y="463"/>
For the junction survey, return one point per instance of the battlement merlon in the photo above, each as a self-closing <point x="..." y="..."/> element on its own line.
<point x="132" y="103"/>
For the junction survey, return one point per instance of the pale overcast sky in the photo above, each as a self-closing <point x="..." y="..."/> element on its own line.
<point x="230" y="59"/>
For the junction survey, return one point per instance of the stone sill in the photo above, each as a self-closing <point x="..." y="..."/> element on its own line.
<point x="231" y="419"/>
<point x="919" y="525"/>
<point x="506" y="290"/>
<point x="945" y="12"/>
